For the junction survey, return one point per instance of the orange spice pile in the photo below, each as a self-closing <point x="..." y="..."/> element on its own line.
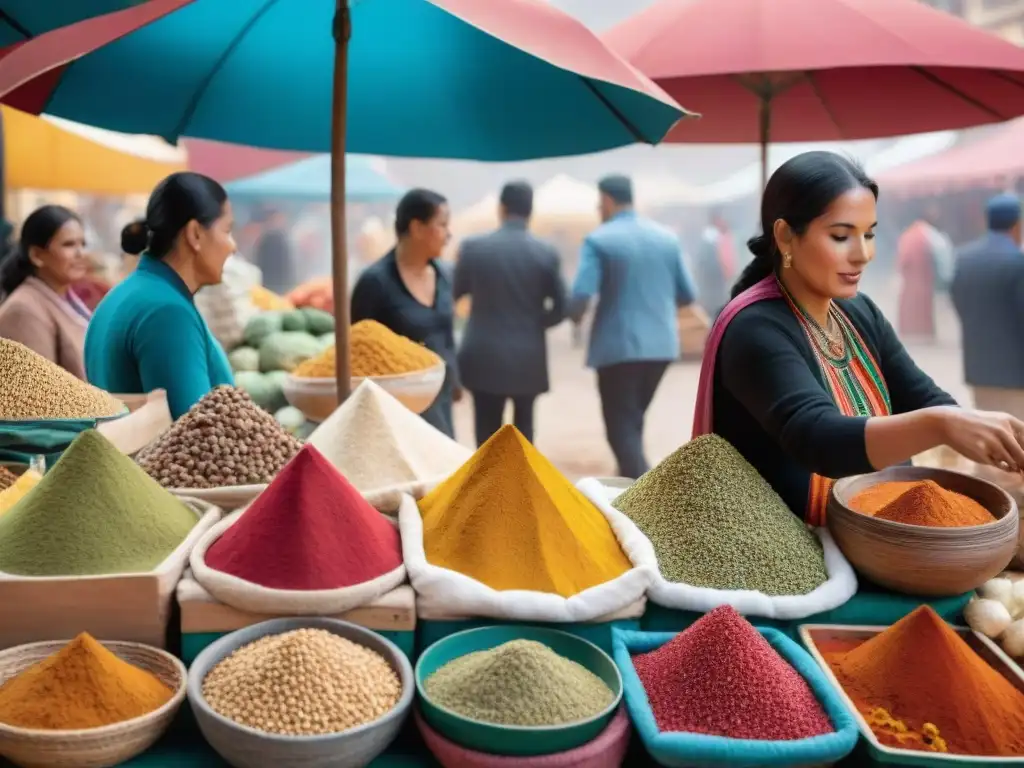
<point x="922" y="502"/>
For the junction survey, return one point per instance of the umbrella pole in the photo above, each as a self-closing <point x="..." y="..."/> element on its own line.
<point x="765" y="129"/>
<point x="339" y="234"/>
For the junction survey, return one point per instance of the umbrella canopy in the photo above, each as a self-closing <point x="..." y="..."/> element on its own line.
<point x="227" y="162"/>
<point x="309" y="180"/>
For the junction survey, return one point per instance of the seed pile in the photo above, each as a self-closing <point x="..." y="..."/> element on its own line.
<point x="510" y="520"/>
<point x="519" y="683"/>
<point x="95" y="512"/>
<point x="35" y="388"/>
<point x="722" y="678"/>
<point x="310" y="529"/>
<point x="715" y="522"/>
<point x="83" y="685"/>
<point x="225" y="439"/>
<point x="302" y="683"/>
<point x="7" y="478"/>
<point x="921" y="503"/>
<point x="11" y="496"/>
<point x="376" y="442"/>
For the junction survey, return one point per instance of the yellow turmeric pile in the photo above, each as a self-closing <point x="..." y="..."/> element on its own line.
<point x="375" y="350"/>
<point x="83" y="685"/>
<point x="510" y="520"/>
<point x="22" y="485"/>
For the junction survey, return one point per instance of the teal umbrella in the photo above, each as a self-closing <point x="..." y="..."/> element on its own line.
<point x="309" y="180"/>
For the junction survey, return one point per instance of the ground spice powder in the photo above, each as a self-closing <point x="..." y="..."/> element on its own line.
<point x="7" y="478"/>
<point x="510" y="520"/>
<point x="922" y="502"/>
<point x="83" y="685"/>
<point x="722" y="678"/>
<point x="95" y="512"/>
<point x="374" y="350"/>
<point x="921" y="672"/>
<point x="10" y="496"/>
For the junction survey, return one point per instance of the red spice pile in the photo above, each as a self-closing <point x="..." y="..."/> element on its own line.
<point x="310" y="529"/>
<point x="722" y="678"/>
<point x="921" y="503"/>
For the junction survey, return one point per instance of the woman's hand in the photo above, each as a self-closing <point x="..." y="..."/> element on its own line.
<point x="985" y="437"/>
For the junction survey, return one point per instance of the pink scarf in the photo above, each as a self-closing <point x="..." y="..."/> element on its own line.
<point x="703" y="412"/>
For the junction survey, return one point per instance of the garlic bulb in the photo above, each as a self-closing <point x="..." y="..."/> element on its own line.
<point x="1017" y="599"/>
<point x="989" y="617"/>
<point x="1013" y="639"/>
<point x="998" y="589"/>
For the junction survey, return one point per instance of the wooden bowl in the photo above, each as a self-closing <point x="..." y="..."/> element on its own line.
<point x="921" y="560"/>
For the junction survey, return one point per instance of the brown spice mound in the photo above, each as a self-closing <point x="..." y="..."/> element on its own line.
<point x="926" y="503"/>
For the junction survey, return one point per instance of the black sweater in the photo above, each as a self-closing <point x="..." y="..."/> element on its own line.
<point x="772" y="404"/>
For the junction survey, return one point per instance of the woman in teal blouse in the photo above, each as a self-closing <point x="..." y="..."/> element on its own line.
<point x="147" y="334"/>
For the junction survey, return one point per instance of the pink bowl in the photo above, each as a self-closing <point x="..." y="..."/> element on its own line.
<point x="606" y="751"/>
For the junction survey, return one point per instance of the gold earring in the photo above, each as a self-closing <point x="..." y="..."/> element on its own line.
<point x="787" y="260"/>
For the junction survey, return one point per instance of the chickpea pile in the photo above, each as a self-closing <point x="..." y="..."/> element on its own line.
<point x="302" y="683"/>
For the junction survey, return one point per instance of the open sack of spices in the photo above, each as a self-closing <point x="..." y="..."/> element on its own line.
<point x="508" y="536"/>
<point x="719" y="534"/>
<point x="384" y="449"/>
<point x="309" y="544"/>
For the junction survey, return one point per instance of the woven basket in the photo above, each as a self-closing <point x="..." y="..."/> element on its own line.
<point x="93" y="747"/>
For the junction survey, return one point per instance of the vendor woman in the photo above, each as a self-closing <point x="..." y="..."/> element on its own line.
<point x="147" y="334"/>
<point x="804" y="375"/>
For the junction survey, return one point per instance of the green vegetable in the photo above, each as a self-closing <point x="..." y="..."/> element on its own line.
<point x="290" y="418"/>
<point x="276" y="380"/>
<point x="318" y="322"/>
<point x="261" y="388"/>
<point x="261" y="326"/>
<point x="284" y="350"/>
<point x="244" y="359"/>
<point x="326" y="341"/>
<point x="295" y="321"/>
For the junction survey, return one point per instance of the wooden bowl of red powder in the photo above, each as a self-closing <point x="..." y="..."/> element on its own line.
<point x="924" y="531"/>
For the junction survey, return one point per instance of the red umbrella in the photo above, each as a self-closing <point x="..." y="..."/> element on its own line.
<point x="227" y="162"/>
<point x="821" y="70"/>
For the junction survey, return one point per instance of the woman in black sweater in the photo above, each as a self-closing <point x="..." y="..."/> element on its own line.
<point x="804" y="375"/>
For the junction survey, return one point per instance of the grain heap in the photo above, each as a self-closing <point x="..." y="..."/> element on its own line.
<point x="715" y="522"/>
<point x="302" y="683"/>
<point x="94" y="513"/>
<point x="7" y="478"/>
<point x="510" y="520"/>
<point x="374" y="350"/>
<point x="922" y="687"/>
<point x="11" y="496"/>
<point x="225" y="439"/>
<point x="309" y="530"/>
<point x="521" y="683"/>
<point x="720" y="677"/>
<point x="83" y="685"/>
<point x="35" y="388"/>
<point x="922" y="502"/>
<point x="376" y="442"/>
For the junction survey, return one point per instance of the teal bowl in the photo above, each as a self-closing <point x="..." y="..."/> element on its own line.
<point x="516" y="740"/>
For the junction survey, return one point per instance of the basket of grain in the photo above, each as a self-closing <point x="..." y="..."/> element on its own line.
<point x="85" y="703"/>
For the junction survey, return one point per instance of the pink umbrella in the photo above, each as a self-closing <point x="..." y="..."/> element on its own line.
<point x="821" y="70"/>
<point x="227" y="162"/>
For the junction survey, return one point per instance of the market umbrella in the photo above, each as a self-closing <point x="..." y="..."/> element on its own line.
<point x="821" y="70"/>
<point x="227" y="162"/>
<point x="309" y="181"/>
<point x="495" y="80"/>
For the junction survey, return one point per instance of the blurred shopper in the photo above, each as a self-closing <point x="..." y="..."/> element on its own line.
<point x="634" y="268"/>
<point x="408" y="291"/>
<point x="274" y="255"/>
<point x="923" y="261"/>
<point x="715" y="265"/>
<point x="39" y="308"/>
<point x="988" y="293"/>
<point x="514" y="281"/>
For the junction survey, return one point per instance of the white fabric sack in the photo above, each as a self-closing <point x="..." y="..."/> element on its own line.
<point x="840" y="587"/>
<point x="228" y="306"/>
<point x="246" y="596"/>
<point x="444" y="592"/>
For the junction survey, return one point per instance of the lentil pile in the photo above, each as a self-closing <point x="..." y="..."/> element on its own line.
<point x="923" y="502"/>
<point x="722" y="678"/>
<point x="95" y="512"/>
<point x="225" y="439"/>
<point x="310" y="529"/>
<point x="83" y="685"/>
<point x="522" y="682"/>
<point x="302" y="683"/>
<point x="7" y="478"/>
<point x="510" y="520"/>
<point x="715" y="522"/>
<point x="35" y="388"/>
<point x="376" y="442"/>
<point x="922" y="687"/>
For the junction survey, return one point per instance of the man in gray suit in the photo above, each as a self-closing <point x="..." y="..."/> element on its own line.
<point x="515" y="285"/>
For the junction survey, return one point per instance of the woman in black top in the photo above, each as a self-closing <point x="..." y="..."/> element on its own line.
<point x="804" y="375"/>
<point x="409" y="292"/>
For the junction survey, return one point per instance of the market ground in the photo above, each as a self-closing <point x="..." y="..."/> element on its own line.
<point x="570" y="432"/>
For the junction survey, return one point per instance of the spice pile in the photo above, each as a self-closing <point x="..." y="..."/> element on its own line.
<point x="7" y="478"/>
<point x="722" y="678"/>
<point x="302" y="683"/>
<point x="376" y="442"/>
<point x="225" y="439"/>
<point x="715" y="522"/>
<point x="510" y="520"/>
<point x="35" y="388"/>
<point x="10" y="496"/>
<point x="83" y="685"/>
<point x="922" y="502"/>
<point x="375" y="350"/>
<point x="522" y="683"/>
<point x="95" y="512"/>
<point x="309" y="530"/>
<point x="922" y="687"/>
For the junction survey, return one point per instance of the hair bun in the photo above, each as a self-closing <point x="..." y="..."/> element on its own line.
<point x="760" y="246"/>
<point x="135" y="238"/>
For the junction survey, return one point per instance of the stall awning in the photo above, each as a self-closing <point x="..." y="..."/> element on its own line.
<point x="227" y="162"/>
<point x="309" y="180"/>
